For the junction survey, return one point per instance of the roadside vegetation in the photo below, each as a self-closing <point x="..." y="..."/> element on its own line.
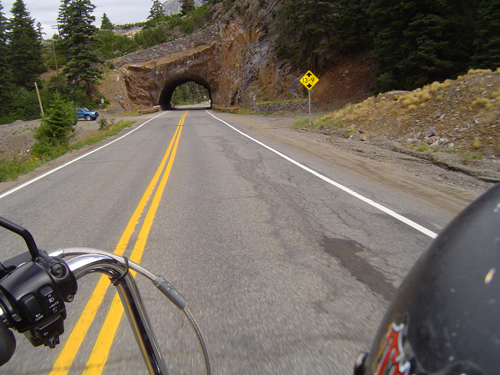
<point x="50" y="148"/>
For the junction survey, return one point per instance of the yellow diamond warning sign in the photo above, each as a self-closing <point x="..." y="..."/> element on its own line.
<point x="309" y="80"/>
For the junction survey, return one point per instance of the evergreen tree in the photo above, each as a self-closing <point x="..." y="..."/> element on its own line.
<point x="487" y="43"/>
<point x="63" y="13"/>
<point x="39" y="30"/>
<point x="189" y="93"/>
<point x="106" y="23"/>
<point x="187" y="6"/>
<point x="6" y="86"/>
<point x="156" y="11"/>
<point x="25" y="49"/>
<point x="417" y="42"/>
<point x="57" y="127"/>
<point x="307" y="32"/>
<point x="78" y="35"/>
<point x="353" y="25"/>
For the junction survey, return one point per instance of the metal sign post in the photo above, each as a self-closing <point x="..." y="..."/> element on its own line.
<point x="309" y="107"/>
<point x="309" y="80"/>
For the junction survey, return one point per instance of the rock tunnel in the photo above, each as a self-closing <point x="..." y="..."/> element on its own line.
<point x="165" y="100"/>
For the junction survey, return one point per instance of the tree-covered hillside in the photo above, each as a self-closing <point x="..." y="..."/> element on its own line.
<point x="414" y="41"/>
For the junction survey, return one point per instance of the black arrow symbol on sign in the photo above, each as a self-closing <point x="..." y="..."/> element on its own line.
<point x="309" y="85"/>
<point x="309" y="74"/>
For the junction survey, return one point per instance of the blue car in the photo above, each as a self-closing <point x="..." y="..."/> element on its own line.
<point x="82" y="112"/>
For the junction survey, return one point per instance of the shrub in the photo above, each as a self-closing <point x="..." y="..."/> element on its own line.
<point x="104" y="124"/>
<point x="425" y="96"/>
<point x="481" y="103"/>
<point x="477" y="143"/>
<point x="56" y="128"/>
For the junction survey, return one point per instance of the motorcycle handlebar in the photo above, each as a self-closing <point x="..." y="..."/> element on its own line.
<point x="83" y="261"/>
<point x="33" y="293"/>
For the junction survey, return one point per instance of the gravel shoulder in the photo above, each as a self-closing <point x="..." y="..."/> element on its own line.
<point x="439" y="179"/>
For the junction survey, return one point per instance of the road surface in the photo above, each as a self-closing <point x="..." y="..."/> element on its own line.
<point x="288" y="260"/>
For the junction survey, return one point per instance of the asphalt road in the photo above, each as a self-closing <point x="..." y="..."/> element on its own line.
<point x="286" y="268"/>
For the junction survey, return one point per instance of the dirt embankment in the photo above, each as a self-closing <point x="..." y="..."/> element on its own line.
<point x="454" y="125"/>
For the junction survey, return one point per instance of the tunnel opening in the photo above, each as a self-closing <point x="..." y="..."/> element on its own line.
<point x="192" y="91"/>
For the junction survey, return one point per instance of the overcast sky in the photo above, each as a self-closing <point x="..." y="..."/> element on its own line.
<point x="118" y="11"/>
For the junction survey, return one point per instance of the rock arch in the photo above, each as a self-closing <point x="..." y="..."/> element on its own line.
<point x="149" y="77"/>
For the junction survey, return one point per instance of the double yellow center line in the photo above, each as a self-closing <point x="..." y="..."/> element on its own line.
<point x="99" y="354"/>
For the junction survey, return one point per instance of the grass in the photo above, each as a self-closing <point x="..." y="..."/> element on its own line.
<point x="330" y="121"/>
<point x="281" y="101"/>
<point x="302" y="123"/>
<point x="481" y="103"/>
<point x="470" y="156"/>
<point x="101" y="135"/>
<point x="422" y="148"/>
<point x="248" y="111"/>
<point x="11" y="169"/>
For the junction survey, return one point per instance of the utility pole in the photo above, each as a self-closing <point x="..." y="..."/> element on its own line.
<point x="39" y="100"/>
<point x="54" y="49"/>
<point x="55" y="59"/>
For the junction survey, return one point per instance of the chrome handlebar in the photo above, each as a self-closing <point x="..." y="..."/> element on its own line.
<point x="87" y="261"/>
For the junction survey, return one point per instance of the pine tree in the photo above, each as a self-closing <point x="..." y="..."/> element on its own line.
<point x="156" y="11"/>
<point x="487" y="42"/>
<point x="63" y="13"/>
<point x="187" y="6"/>
<point x="39" y="30"/>
<point x="106" y="23"/>
<point x="25" y="49"/>
<point x="352" y="25"/>
<point x="78" y="35"/>
<point x="420" y="41"/>
<point x="6" y="86"/>
<point x="57" y="127"/>
<point x="307" y="32"/>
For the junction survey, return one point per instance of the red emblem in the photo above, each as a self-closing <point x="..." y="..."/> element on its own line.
<point x="393" y="361"/>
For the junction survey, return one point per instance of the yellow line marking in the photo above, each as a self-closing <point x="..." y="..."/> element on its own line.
<point x="98" y="357"/>
<point x="97" y="360"/>
<point x="75" y="339"/>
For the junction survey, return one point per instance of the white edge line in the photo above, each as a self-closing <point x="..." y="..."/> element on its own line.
<point x="386" y="210"/>
<point x="29" y="182"/>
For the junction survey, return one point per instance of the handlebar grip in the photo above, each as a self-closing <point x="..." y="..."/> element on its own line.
<point x="7" y="344"/>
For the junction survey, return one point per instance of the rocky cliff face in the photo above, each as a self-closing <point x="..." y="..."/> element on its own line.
<point x="252" y="73"/>
<point x="235" y="59"/>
